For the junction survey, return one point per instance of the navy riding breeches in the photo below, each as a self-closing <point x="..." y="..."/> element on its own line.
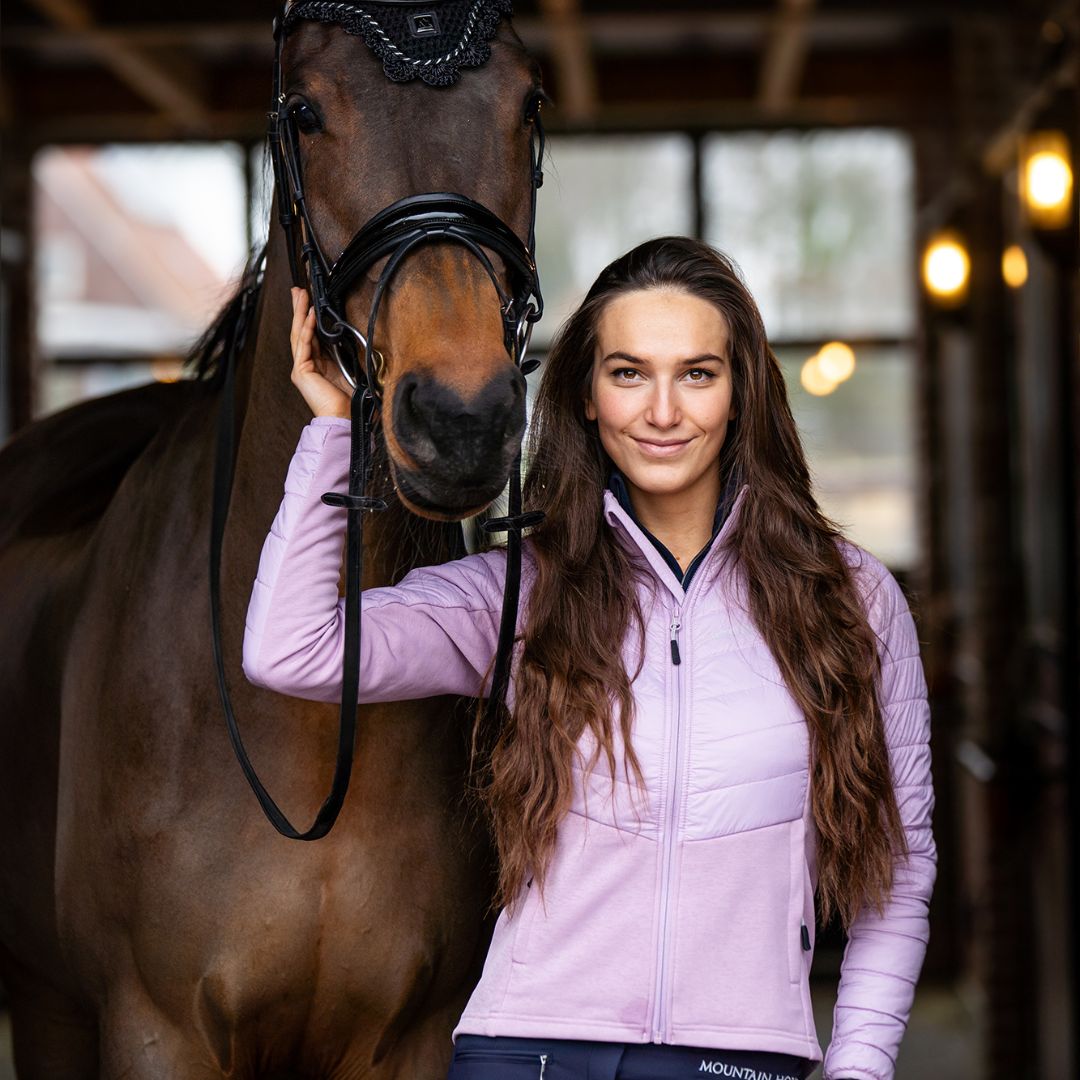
<point x="509" y="1057"/>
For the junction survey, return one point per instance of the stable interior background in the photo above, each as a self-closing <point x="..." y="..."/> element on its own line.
<point x="868" y="166"/>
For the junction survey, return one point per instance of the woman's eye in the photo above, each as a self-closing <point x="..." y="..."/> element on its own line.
<point x="704" y="376"/>
<point x="307" y="119"/>
<point x="621" y="373"/>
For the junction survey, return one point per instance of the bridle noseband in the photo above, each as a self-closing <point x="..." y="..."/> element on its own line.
<point x="392" y="233"/>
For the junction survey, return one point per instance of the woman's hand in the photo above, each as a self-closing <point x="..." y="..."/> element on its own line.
<point x="319" y="381"/>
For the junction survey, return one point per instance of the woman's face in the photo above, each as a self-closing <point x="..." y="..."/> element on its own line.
<point x="661" y="389"/>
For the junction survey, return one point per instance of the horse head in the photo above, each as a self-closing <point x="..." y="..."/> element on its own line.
<point x="417" y="175"/>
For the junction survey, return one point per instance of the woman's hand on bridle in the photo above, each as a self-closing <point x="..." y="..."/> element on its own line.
<point x="319" y="381"/>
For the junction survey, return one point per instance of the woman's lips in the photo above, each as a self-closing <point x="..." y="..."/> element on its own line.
<point x="661" y="449"/>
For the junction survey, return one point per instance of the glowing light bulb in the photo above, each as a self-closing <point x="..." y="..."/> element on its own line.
<point x="836" y="361"/>
<point x="946" y="268"/>
<point x="1049" y="180"/>
<point x="1014" y="267"/>
<point x="1046" y="179"/>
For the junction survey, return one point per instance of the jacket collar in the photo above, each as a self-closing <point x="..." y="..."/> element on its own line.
<point x="634" y="538"/>
<point x="617" y="483"/>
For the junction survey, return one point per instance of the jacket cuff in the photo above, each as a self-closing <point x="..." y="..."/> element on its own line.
<point x="857" y="1061"/>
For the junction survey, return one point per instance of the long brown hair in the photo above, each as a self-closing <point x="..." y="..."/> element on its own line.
<point x="802" y="596"/>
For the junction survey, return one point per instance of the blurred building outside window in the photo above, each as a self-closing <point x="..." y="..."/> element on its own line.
<point x="135" y="249"/>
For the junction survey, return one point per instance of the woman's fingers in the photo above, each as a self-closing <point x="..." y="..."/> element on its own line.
<point x="297" y="320"/>
<point x="307" y="355"/>
<point x="305" y="346"/>
<point x="309" y="346"/>
<point x="320" y="392"/>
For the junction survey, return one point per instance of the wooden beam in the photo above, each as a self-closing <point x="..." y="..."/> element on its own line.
<point x="165" y="89"/>
<point x="573" y="60"/>
<point x="659" y="30"/>
<point x="907" y="83"/>
<point x="785" y="56"/>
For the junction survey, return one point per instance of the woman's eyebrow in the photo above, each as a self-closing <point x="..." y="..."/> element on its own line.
<point x="690" y="361"/>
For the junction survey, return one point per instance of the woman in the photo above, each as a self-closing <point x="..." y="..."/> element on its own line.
<point x="700" y="736"/>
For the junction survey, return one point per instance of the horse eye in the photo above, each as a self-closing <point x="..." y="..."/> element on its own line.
<point x="533" y="103"/>
<point x="307" y="119"/>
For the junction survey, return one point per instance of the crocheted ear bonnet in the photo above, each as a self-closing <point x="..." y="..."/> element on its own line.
<point x="424" y="40"/>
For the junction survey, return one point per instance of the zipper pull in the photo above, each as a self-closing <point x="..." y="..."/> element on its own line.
<point x="543" y="1065"/>
<point x="675" y="624"/>
<point x="805" y="936"/>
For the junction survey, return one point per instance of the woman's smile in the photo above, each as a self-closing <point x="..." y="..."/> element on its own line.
<point x="661" y="447"/>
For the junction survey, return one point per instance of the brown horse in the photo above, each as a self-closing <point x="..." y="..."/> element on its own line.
<point x="152" y="923"/>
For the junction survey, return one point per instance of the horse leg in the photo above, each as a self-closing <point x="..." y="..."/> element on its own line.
<point x="138" y="1042"/>
<point x="53" y="1037"/>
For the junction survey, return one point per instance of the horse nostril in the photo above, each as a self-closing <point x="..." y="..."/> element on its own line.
<point x="407" y="396"/>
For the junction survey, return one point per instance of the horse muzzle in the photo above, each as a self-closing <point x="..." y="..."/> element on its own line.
<point x="459" y="452"/>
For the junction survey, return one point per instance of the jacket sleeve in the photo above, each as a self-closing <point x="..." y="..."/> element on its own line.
<point x="884" y="954"/>
<point x="434" y="632"/>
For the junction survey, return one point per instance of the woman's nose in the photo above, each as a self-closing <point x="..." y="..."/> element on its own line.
<point x="663" y="410"/>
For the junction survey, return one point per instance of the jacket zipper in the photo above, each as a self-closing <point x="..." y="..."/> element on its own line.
<point x="675" y="624"/>
<point x="669" y="830"/>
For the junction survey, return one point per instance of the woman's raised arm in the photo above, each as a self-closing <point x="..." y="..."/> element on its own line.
<point x="435" y="632"/>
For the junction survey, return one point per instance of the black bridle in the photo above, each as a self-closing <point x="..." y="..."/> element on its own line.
<point x="392" y="233"/>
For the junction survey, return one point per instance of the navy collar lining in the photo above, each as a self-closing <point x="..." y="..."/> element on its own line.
<point x="617" y="485"/>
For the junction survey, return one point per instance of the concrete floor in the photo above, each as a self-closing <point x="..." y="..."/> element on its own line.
<point x="942" y="1039"/>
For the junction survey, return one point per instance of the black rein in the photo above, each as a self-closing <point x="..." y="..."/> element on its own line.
<point x="433" y="217"/>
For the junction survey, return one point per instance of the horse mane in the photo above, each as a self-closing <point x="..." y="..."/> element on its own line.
<point x="204" y="358"/>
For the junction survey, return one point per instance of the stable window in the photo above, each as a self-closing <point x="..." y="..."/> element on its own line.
<point x="821" y="225"/>
<point x="136" y="247"/>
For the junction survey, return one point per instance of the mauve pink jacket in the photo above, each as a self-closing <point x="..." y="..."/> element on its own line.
<point x="692" y="920"/>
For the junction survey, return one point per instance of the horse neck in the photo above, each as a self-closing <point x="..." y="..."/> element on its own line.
<point x="273" y="414"/>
